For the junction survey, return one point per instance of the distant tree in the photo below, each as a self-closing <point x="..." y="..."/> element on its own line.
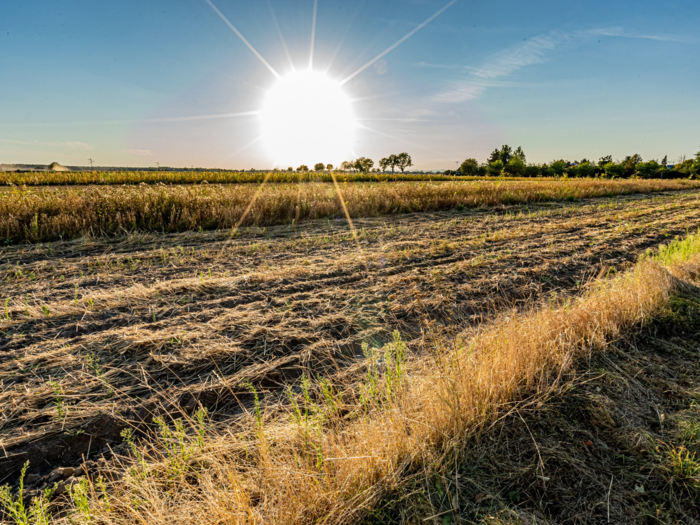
<point x="686" y="167"/>
<point x="532" y="170"/>
<point x="329" y="167"/>
<point x="346" y="166"/>
<point x="584" y="169"/>
<point x="290" y="168"/>
<point x="506" y="154"/>
<point x="469" y="167"/>
<point x="604" y="160"/>
<point x="403" y="161"/>
<point x="495" y="155"/>
<point x="388" y="162"/>
<point x="495" y="169"/>
<point x="520" y="154"/>
<point x="613" y="170"/>
<point x="319" y="166"/>
<point x="363" y="165"/>
<point x="664" y="161"/>
<point x="558" y="167"/>
<point x="630" y="164"/>
<point x="303" y="167"/>
<point x="515" y="167"/>
<point x="648" y="170"/>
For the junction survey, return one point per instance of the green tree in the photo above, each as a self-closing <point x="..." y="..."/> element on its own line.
<point x="303" y="167"/>
<point x="290" y="168"/>
<point x="664" y="161"/>
<point x="648" y="170"/>
<point x="520" y="154"/>
<point x="469" y="167"/>
<point x="506" y="154"/>
<point x="558" y="168"/>
<point x="363" y="165"/>
<point x="614" y="171"/>
<point x="388" y="162"/>
<point x="329" y="167"/>
<point x="630" y="164"/>
<point x="532" y="170"/>
<point x="515" y="167"/>
<point x="403" y="161"/>
<point x="319" y="166"/>
<point x="346" y="166"/>
<point x="604" y="160"/>
<point x="584" y="169"/>
<point x="495" y="168"/>
<point x="495" y="155"/>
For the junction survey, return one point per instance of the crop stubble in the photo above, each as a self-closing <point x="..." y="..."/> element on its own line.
<point x="133" y="326"/>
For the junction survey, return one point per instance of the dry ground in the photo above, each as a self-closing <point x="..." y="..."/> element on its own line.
<point x="101" y="334"/>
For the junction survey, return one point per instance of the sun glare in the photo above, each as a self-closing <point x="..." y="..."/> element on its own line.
<point x="307" y="118"/>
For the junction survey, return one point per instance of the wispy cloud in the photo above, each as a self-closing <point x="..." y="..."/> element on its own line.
<point x="536" y="50"/>
<point x="619" y="32"/>
<point x="502" y="64"/>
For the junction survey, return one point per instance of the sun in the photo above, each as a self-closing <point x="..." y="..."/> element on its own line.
<point x="307" y="118"/>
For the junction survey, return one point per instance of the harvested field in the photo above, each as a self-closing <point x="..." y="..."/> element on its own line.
<point x="102" y="334"/>
<point x="50" y="214"/>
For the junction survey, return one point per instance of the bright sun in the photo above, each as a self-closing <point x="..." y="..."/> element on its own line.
<point x="306" y="119"/>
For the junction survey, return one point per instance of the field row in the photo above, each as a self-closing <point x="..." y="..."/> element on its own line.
<point x="100" y="334"/>
<point x="82" y="178"/>
<point x="51" y="214"/>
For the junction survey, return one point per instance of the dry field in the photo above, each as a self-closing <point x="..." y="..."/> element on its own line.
<point x="61" y="213"/>
<point x="102" y="334"/>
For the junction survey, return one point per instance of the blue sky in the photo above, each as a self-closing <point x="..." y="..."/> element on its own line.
<point x="136" y="83"/>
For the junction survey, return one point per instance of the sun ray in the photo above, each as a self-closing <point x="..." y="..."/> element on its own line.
<point x="342" y="40"/>
<point x="138" y="121"/>
<point x="313" y="36"/>
<point x="279" y="32"/>
<point x="352" y="226"/>
<point x="245" y="213"/>
<point x="243" y="39"/>
<point x="243" y="148"/>
<point x="399" y="42"/>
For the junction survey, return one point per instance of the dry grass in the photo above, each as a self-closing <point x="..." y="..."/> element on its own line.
<point x="212" y="177"/>
<point x="49" y="214"/>
<point x="128" y="328"/>
<point x="338" y="456"/>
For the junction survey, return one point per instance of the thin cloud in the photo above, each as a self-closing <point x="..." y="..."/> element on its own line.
<point x="509" y="60"/>
<point x="503" y="63"/>
<point x="619" y="32"/>
<point x="533" y="51"/>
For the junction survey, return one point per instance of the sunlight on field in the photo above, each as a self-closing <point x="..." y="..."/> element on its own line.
<point x="307" y="116"/>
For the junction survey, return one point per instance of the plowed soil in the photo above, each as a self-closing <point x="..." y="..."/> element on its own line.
<point x="100" y="334"/>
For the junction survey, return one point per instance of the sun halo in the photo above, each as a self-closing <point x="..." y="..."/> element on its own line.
<point x="307" y="118"/>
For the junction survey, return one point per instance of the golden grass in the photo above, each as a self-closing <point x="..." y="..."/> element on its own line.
<point x="47" y="214"/>
<point x="333" y="460"/>
<point x="64" y="178"/>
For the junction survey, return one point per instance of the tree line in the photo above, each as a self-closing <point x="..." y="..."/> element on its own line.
<point x="364" y="165"/>
<point x="505" y="161"/>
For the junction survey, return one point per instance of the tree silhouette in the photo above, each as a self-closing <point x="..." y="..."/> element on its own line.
<point x="403" y="161"/>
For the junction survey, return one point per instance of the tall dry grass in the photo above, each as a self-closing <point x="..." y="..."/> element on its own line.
<point x="66" y="178"/>
<point x="326" y="457"/>
<point x="42" y="214"/>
